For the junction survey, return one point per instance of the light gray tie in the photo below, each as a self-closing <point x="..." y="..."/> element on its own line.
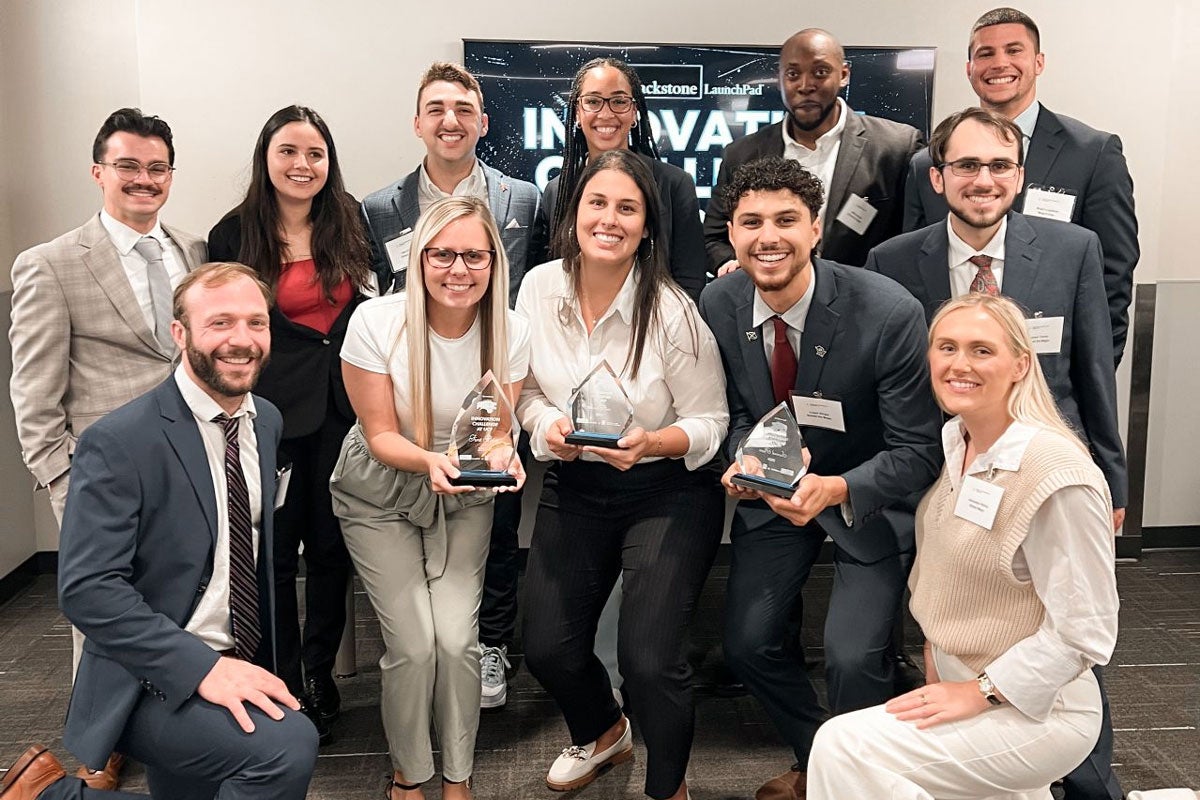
<point x="160" y="288"/>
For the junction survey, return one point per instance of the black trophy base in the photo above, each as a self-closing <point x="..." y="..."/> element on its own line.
<point x="584" y="439"/>
<point x="760" y="484"/>
<point x="483" y="478"/>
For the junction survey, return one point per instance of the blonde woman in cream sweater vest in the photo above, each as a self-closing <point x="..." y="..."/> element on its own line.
<point x="1013" y="587"/>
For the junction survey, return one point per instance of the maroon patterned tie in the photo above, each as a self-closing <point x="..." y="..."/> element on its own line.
<point x="985" y="279"/>
<point x="243" y="583"/>
<point x="783" y="363"/>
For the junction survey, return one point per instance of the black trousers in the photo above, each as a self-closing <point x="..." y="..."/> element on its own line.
<point x="498" y="608"/>
<point x="307" y="517"/>
<point x="1094" y="779"/>
<point x="657" y="525"/>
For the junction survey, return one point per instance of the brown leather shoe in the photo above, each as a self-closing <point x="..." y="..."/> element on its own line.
<point x="107" y="779"/>
<point x="31" y="774"/>
<point x="791" y="785"/>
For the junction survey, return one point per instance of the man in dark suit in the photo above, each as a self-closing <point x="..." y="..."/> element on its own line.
<point x="165" y="565"/>
<point x="1073" y="173"/>
<point x="860" y="160"/>
<point x="860" y="387"/>
<point x="1053" y="270"/>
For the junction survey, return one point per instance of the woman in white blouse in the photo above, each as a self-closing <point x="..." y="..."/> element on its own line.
<point x="418" y="541"/>
<point x="1013" y="587"/>
<point x="650" y="509"/>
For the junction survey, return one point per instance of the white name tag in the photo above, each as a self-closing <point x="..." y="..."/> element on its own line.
<point x="1049" y="205"/>
<point x="978" y="502"/>
<point x="281" y="486"/>
<point x="857" y="214"/>
<point x="397" y="250"/>
<point x="1046" y="333"/>
<point x="819" y="413"/>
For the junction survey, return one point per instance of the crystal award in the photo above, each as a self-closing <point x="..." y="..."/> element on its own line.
<point x="600" y="410"/>
<point x="770" y="458"/>
<point x="481" y="439"/>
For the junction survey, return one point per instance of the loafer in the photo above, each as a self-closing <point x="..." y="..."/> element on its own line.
<point x="578" y="766"/>
<point x="30" y="774"/>
<point x="104" y="780"/>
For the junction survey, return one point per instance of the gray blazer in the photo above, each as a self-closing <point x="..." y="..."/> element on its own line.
<point x="872" y="163"/>
<point x="395" y="209"/>
<point x="136" y="555"/>
<point x="1052" y="269"/>
<point x="80" y="343"/>
<point x="863" y="344"/>
<point x="1066" y="155"/>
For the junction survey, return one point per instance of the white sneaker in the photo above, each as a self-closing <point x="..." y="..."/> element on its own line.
<point x="492" y="664"/>
<point x="579" y="766"/>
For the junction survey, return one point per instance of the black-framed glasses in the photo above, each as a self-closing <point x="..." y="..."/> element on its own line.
<point x="442" y="258"/>
<point x="999" y="169"/>
<point x="129" y="169"/>
<point x="594" y="103"/>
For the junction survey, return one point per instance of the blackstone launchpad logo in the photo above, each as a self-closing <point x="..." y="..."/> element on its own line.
<point x="677" y="82"/>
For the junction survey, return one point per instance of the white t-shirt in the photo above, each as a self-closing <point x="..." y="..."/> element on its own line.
<point x="377" y="341"/>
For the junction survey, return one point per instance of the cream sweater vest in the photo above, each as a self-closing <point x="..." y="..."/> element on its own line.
<point x="964" y="594"/>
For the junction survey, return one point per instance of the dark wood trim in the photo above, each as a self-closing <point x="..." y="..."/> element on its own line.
<point x="19" y="578"/>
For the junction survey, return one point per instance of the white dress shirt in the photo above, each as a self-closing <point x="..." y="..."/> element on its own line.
<point x="210" y="621"/>
<point x="1027" y="121"/>
<point x="124" y="238"/>
<point x="962" y="271"/>
<point x="1068" y="554"/>
<point x="794" y="317"/>
<point x="474" y="185"/>
<point x="677" y="384"/>
<point x="821" y="161"/>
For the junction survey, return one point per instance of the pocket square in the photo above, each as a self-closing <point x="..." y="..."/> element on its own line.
<point x="512" y="223"/>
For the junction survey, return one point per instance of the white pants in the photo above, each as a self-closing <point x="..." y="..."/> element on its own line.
<point x="1000" y="754"/>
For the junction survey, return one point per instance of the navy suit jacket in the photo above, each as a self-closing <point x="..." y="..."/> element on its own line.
<point x="863" y="344"/>
<point x="1052" y="269"/>
<point x="135" y="556"/>
<point x="872" y="163"/>
<point x="396" y="208"/>
<point x="1065" y="155"/>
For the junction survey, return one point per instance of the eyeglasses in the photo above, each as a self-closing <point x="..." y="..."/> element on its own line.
<point x="441" y="258"/>
<point x="129" y="169"/>
<point x="594" y="103"/>
<point x="999" y="169"/>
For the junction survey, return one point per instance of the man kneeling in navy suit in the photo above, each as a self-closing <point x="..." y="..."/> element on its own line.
<point x="165" y="566"/>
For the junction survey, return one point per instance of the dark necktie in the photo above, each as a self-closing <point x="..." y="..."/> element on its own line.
<point x="985" y="279"/>
<point x="160" y="289"/>
<point x="783" y="363"/>
<point x="243" y="581"/>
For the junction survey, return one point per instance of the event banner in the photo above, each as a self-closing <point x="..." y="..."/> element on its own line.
<point x="701" y="97"/>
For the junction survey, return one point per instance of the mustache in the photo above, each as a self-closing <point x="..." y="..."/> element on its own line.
<point x="253" y="353"/>
<point x="141" y="187"/>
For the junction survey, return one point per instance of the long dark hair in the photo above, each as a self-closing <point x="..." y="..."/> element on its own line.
<point x="339" y="243"/>
<point x="575" y="149"/>
<point x="654" y="283"/>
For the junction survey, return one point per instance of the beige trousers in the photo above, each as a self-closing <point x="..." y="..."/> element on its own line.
<point x="58" y="502"/>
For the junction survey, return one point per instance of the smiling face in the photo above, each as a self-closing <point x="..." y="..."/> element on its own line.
<point x="972" y="366"/>
<point x="977" y="204"/>
<point x="1003" y="67"/>
<point x="225" y="335"/>
<point x="773" y="234"/>
<point x="457" y="288"/>
<point x="610" y="221"/>
<point x="812" y="71"/>
<point x="134" y="202"/>
<point x="297" y="162"/>
<point x="605" y="130"/>
<point x="449" y="121"/>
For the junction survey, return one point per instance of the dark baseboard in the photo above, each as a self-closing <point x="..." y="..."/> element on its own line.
<point x="1170" y="536"/>
<point x="47" y="562"/>
<point x="19" y="578"/>
<point x="1129" y="546"/>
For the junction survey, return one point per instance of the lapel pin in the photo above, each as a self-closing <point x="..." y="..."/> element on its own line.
<point x="751" y="336"/>
<point x="821" y="351"/>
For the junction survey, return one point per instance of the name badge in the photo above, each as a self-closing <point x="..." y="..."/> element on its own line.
<point x="857" y="214"/>
<point x="1049" y="205"/>
<point x="283" y="477"/>
<point x="978" y="502"/>
<point x="819" y="412"/>
<point x="1046" y="333"/>
<point x="397" y="250"/>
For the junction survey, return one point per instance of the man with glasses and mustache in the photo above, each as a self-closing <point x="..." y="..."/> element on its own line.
<point x="91" y="311"/>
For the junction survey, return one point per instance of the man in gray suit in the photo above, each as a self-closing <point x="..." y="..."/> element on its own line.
<point x="860" y="389"/>
<point x="91" y="310"/>
<point x="860" y="160"/>
<point x="1052" y="269"/>
<point x="1073" y="172"/>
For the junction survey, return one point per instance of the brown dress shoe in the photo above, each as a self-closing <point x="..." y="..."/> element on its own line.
<point x="31" y="774"/>
<point x="791" y="785"/>
<point x="107" y="779"/>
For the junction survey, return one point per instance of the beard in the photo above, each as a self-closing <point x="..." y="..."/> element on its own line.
<point x="816" y="123"/>
<point x="976" y="217"/>
<point x="204" y="365"/>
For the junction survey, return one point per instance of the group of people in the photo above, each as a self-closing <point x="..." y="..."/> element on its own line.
<point x="184" y="499"/>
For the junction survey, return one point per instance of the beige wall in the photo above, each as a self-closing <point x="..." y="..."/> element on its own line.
<point x="216" y="70"/>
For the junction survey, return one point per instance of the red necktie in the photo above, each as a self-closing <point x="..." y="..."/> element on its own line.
<point x="985" y="279"/>
<point x="783" y="362"/>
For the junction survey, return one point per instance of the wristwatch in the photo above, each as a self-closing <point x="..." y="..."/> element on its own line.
<point x="988" y="689"/>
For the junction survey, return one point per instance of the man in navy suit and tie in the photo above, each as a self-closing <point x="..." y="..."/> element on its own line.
<point x="846" y="349"/>
<point x="165" y="565"/>
<point x="1054" y="271"/>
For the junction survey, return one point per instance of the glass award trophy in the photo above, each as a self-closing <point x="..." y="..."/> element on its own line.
<point x="481" y="439"/>
<point x="600" y="410"/>
<point x="770" y="458"/>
